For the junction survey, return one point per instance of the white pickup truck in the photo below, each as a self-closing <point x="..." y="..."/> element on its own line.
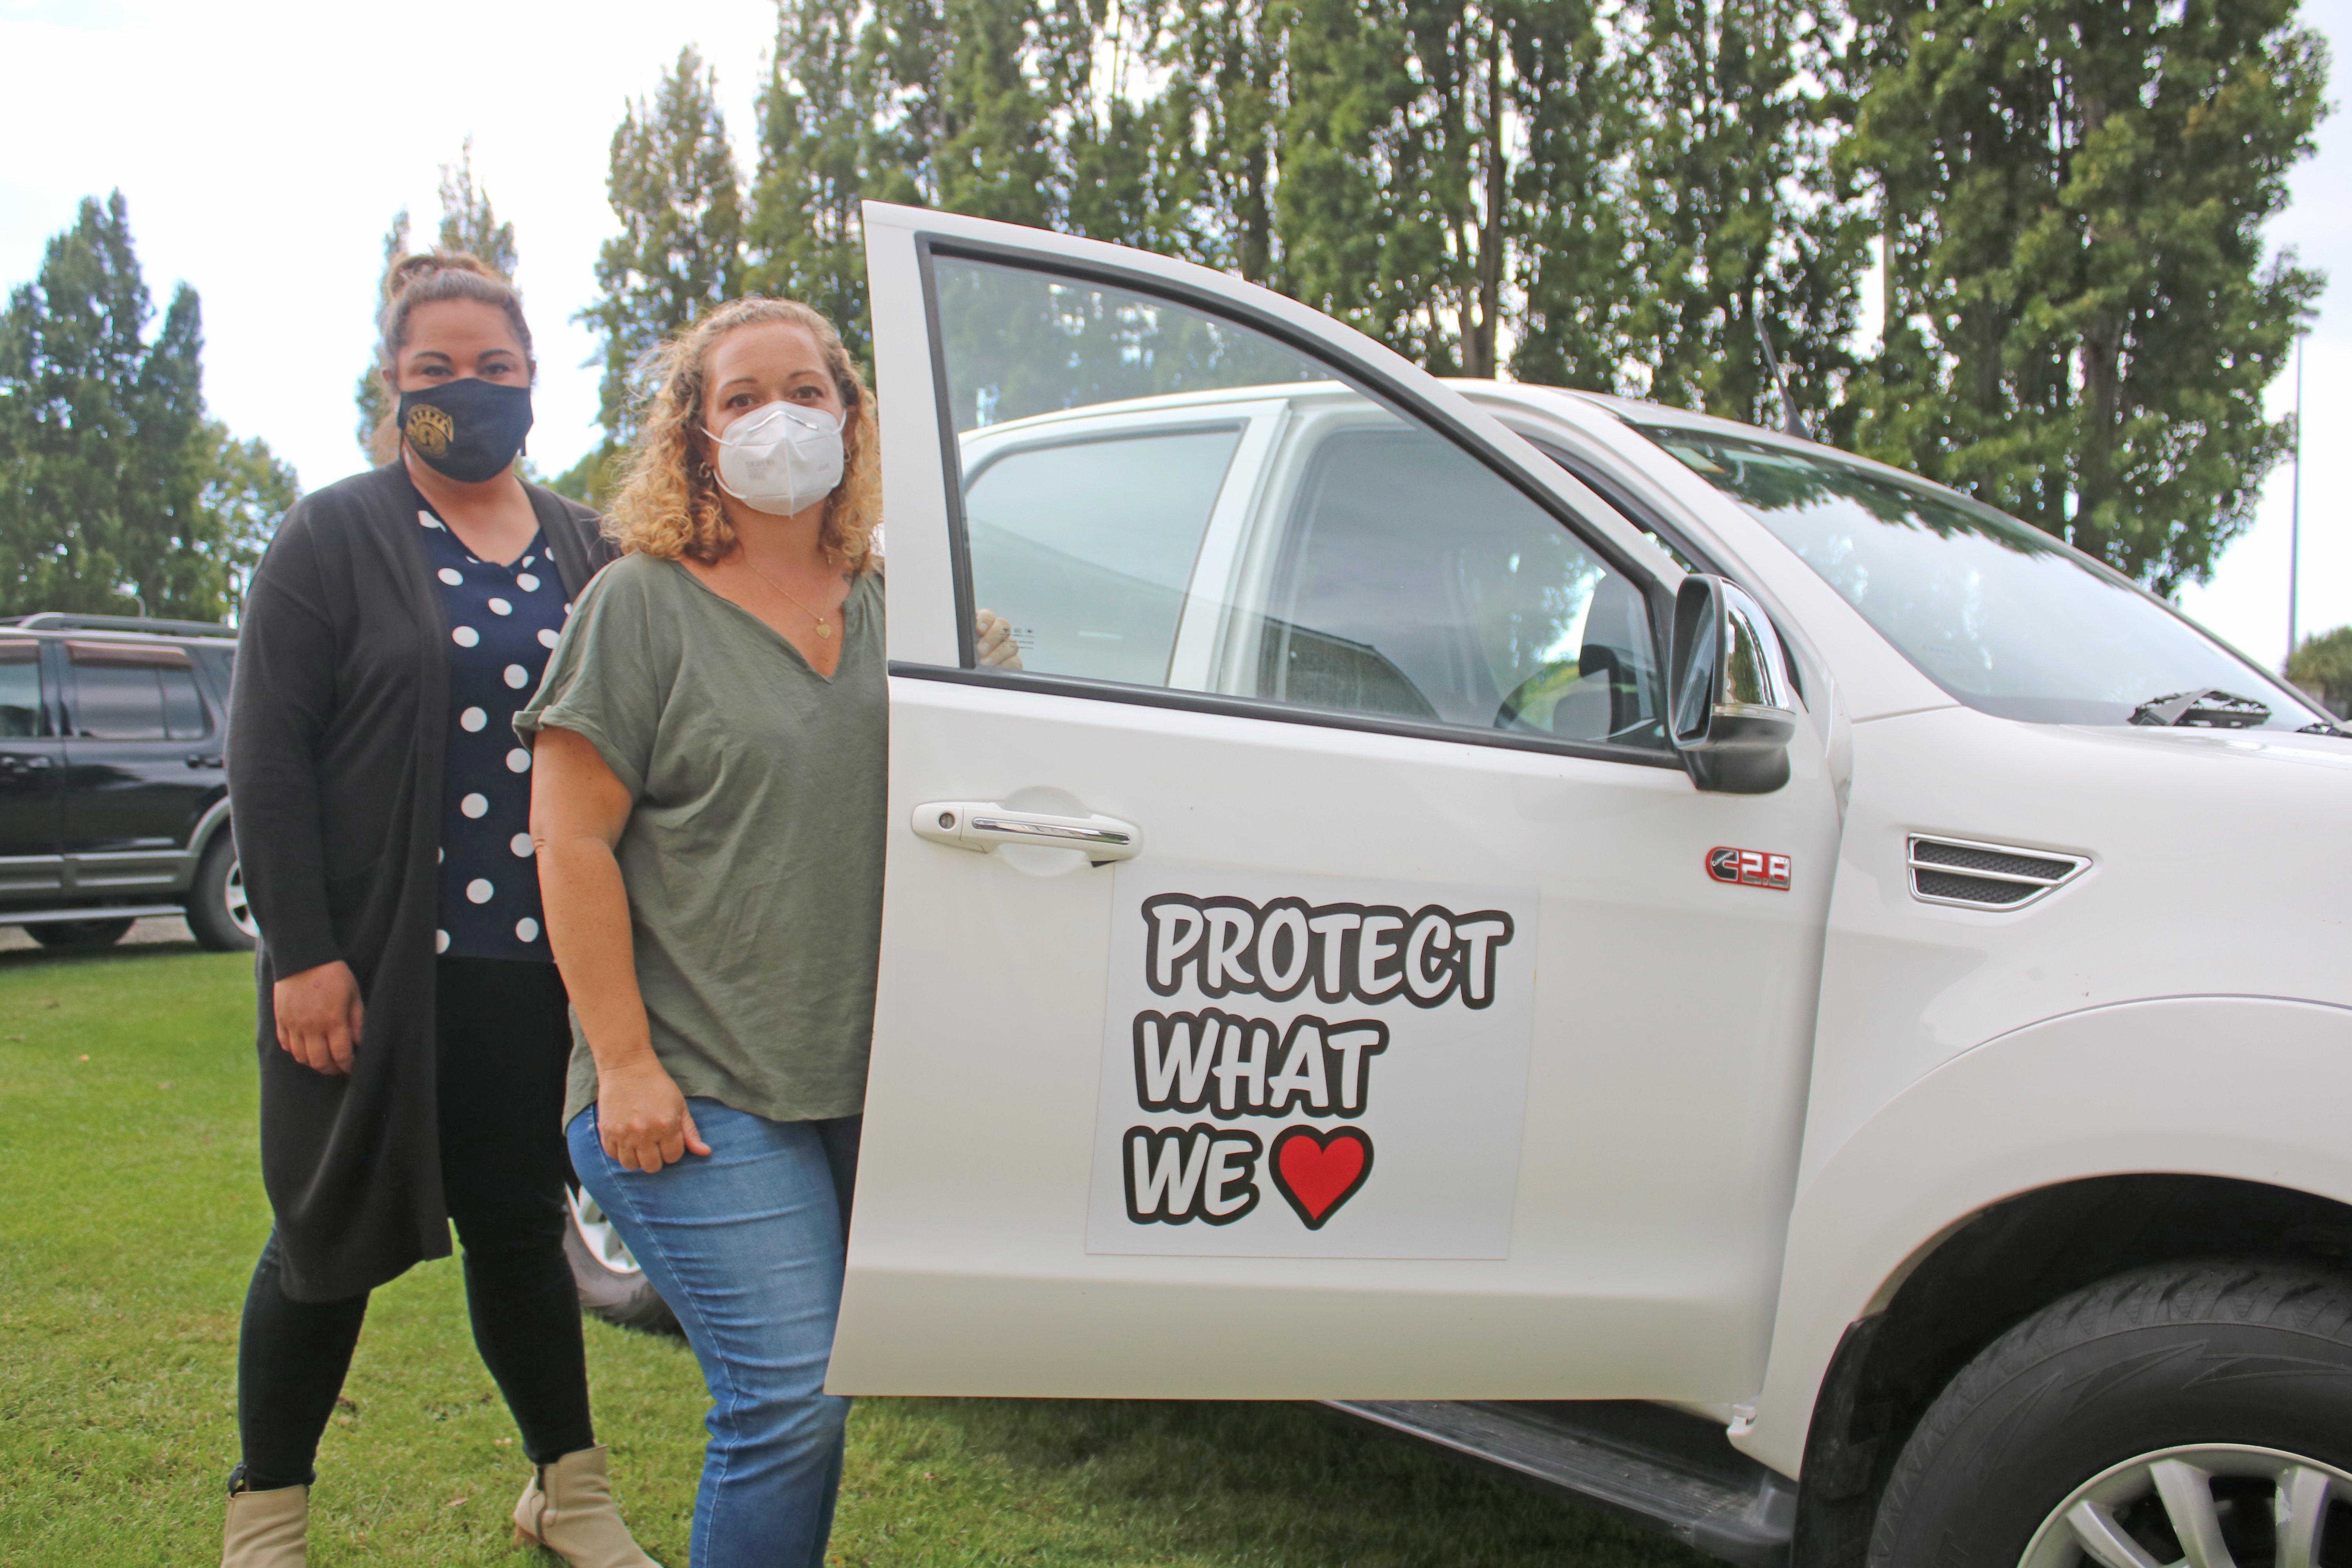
<point x="1706" y="971"/>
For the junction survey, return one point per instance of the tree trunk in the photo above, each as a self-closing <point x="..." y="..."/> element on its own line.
<point x="1478" y="351"/>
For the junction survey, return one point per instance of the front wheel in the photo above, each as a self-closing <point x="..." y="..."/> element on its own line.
<point x="2195" y="1414"/>
<point x="219" y="915"/>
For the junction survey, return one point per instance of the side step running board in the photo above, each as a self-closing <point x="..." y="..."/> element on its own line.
<point x="1656" y="1465"/>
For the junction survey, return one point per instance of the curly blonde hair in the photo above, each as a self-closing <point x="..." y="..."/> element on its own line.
<point x="667" y="504"/>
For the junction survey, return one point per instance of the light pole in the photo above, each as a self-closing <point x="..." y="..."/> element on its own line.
<point x="2295" y="509"/>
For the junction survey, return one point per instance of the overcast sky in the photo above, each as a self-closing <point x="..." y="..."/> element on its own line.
<point x="263" y="145"/>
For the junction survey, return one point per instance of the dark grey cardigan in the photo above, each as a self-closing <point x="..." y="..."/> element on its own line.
<point x="336" y="740"/>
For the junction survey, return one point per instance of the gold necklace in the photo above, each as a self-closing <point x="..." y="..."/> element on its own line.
<point x="824" y="626"/>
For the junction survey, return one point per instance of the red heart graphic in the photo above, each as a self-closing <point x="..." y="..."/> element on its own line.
<point x="1316" y="1175"/>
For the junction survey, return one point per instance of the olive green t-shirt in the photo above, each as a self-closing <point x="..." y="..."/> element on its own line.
<point x="754" y="854"/>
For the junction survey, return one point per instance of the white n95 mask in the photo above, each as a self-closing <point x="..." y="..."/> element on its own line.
<point x="780" y="458"/>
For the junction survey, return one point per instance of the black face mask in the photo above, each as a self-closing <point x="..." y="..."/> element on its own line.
<point x="469" y="430"/>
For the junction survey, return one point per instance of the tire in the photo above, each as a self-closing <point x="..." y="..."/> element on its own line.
<point x="612" y="1286"/>
<point x="217" y="912"/>
<point x="79" y="934"/>
<point x="2178" y="1400"/>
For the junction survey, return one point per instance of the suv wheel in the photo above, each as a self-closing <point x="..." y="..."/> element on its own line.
<point x="79" y="934"/>
<point x="2197" y="1414"/>
<point x="218" y="912"/>
<point x="611" y="1284"/>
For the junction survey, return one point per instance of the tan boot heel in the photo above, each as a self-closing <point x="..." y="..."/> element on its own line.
<point x="530" y="1507"/>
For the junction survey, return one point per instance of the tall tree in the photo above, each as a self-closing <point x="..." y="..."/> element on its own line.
<point x="2082" y="316"/>
<point x="1005" y="108"/>
<point x="2321" y="665"/>
<point x="1369" y="175"/>
<point x="1223" y="96"/>
<point x="1653" y="196"/>
<point x="1746" y="229"/>
<point x="1465" y="52"/>
<point x="906" y="47"/>
<point x="674" y="188"/>
<point x="468" y="223"/>
<point x="994" y="154"/>
<point x="245" y="489"/>
<point x="1026" y="111"/>
<point x="370" y="396"/>
<point x="1574" y="267"/>
<point x="1445" y="172"/>
<point x="1125" y="166"/>
<point x="816" y="124"/>
<point x="116" y="492"/>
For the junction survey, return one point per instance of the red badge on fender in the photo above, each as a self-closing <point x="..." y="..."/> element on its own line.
<point x="1748" y="868"/>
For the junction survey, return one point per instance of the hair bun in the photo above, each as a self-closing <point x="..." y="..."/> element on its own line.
<point x="426" y="264"/>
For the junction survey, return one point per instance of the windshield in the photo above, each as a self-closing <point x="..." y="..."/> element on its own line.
<point x="1999" y="614"/>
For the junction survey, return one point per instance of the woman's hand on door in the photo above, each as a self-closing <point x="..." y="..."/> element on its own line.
<point x="992" y="637"/>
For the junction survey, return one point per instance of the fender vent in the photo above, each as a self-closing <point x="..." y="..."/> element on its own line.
<point x="1987" y="876"/>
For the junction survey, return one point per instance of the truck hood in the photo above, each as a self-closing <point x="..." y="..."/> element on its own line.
<point x="2254" y="745"/>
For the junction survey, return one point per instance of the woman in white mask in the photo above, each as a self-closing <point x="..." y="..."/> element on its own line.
<point x="707" y="807"/>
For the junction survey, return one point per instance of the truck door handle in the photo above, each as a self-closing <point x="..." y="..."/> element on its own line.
<point x="978" y="826"/>
<point x="198" y="760"/>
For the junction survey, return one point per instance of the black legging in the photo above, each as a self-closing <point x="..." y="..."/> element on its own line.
<point x="502" y="1048"/>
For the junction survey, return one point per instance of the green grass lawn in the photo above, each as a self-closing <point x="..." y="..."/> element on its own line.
<point x="131" y="1210"/>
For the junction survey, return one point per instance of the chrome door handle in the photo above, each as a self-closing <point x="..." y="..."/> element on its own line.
<point x="981" y="826"/>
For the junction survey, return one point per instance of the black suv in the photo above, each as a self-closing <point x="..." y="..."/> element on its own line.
<point x="113" y="799"/>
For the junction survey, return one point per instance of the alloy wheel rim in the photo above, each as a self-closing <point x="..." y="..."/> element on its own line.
<point x="604" y="1243"/>
<point x="2209" y="1505"/>
<point x="241" y="908"/>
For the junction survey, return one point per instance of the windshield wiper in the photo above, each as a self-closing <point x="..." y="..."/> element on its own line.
<point x="2211" y="708"/>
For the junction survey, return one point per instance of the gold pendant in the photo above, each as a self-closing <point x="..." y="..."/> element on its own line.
<point x="823" y="629"/>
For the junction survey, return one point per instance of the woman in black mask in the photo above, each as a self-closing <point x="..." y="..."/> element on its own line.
<point x="413" y="1038"/>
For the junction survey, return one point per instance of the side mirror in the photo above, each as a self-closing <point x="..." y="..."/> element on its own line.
<point x="1733" y="710"/>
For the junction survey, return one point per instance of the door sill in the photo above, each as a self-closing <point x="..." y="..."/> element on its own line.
<point x="1656" y="1465"/>
<point x="88" y="912"/>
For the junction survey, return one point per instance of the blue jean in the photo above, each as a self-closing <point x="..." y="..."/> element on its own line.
<point x="745" y="1244"/>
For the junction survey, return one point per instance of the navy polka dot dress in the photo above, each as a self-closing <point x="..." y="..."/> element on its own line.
<point x="503" y="622"/>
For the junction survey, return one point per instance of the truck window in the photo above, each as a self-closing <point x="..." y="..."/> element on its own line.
<point x="218" y="665"/>
<point x="1087" y="546"/>
<point x="123" y="692"/>
<point x="1415" y="582"/>
<point x="20" y="688"/>
<point x="1155" y="496"/>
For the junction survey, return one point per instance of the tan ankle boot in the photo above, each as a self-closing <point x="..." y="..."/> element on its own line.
<point x="568" y="1509"/>
<point x="268" y="1530"/>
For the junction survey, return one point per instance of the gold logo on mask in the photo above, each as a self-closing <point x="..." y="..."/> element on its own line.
<point x="429" y="430"/>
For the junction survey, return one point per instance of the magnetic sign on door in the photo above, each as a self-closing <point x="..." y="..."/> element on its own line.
<point x="1269" y="1037"/>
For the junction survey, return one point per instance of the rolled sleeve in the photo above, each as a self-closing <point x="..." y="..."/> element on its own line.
<point x="604" y="682"/>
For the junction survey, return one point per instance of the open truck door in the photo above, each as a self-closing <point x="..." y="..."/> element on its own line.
<point x="1313" y="973"/>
